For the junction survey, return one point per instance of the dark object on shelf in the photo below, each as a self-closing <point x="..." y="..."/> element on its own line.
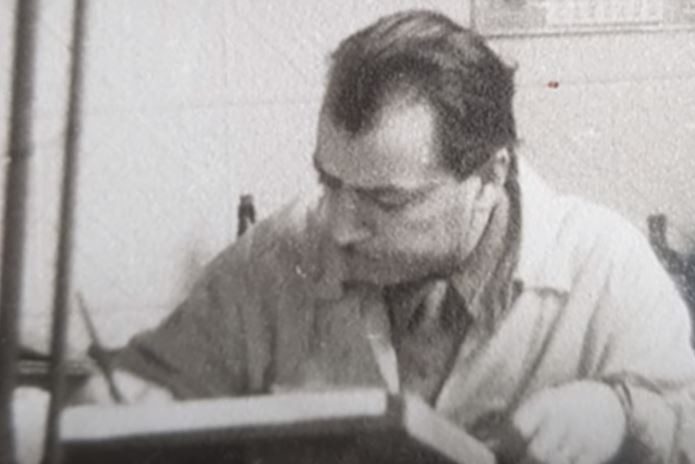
<point x="672" y="261"/>
<point x="246" y="214"/>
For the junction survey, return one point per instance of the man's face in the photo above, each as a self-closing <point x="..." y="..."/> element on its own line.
<point x="394" y="211"/>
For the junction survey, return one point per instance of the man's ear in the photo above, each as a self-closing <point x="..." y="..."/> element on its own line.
<point x="493" y="175"/>
<point x="496" y="169"/>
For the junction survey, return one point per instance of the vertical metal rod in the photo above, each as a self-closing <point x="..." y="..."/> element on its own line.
<point x="14" y="216"/>
<point x="473" y="16"/>
<point x="63" y="276"/>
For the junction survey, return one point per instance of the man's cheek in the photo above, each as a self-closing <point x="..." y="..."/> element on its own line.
<point x="405" y="232"/>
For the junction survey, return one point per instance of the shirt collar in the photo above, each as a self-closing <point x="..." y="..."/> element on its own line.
<point x="496" y="250"/>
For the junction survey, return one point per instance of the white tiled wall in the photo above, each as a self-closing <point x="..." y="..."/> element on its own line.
<point x="619" y="127"/>
<point x="189" y="104"/>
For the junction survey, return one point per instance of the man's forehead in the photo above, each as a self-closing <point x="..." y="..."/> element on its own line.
<point x="399" y="149"/>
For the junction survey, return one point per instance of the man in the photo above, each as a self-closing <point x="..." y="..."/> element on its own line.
<point x="433" y="260"/>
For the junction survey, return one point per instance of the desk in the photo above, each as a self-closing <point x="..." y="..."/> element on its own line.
<point x="340" y="426"/>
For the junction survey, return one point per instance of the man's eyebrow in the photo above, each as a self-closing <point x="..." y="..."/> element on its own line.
<point x="371" y="191"/>
<point x="384" y="190"/>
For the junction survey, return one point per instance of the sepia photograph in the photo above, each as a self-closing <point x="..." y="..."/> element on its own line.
<point x="359" y="231"/>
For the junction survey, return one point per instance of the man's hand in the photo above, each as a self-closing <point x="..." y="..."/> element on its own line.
<point x="580" y="422"/>
<point x="133" y="389"/>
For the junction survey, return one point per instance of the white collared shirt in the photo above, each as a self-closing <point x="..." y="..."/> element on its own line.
<point x="594" y="304"/>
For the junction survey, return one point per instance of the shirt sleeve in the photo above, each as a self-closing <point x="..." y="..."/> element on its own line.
<point x="649" y="359"/>
<point x="200" y="349"/>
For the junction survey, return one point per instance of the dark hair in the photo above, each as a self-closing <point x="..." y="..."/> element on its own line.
<point x="467" y="85"/>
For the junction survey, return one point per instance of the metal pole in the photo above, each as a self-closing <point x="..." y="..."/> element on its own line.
<point x="63" y="277"/>
<point x="473" y="16"/>
<point x="14" y="216"/>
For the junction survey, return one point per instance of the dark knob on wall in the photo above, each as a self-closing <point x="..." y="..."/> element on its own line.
<point x="246" y="214"/>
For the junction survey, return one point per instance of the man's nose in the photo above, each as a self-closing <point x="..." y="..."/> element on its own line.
<point x="347" y="226"/>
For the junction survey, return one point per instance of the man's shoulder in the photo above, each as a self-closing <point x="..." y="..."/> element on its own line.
<point x="565" y="235"/>
<point x="600" y="241"/>
<point x="568" y="218"/>
<point x="274" y="245"/>
<point x="599" y="225"/>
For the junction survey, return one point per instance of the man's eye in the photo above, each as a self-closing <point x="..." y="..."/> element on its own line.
<point x="394" y="202"/>
<point x="389" y="202"/>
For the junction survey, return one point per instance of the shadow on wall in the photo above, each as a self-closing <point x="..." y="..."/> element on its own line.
<point x="680" y="266"/>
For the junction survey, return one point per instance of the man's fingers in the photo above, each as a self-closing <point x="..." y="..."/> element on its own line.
<point x="529" y="417"/>
<point x="545" y="433"/>
<point x="552" y="425"/>
<point x="134" y="390"/>
<point x="550" y="443"/>
<point x="510" y="445"/>
<point x="538" y="446"/>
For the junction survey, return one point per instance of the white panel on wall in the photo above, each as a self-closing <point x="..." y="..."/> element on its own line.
<point x="609" y="116"/>
<point x="364" y="12"/>
<point x="274" y="145"/>
<point x="158" y="186"/>
<point x="278" y="51"/>
<point x="578" y="59"/>
<point x="162" y="54"/>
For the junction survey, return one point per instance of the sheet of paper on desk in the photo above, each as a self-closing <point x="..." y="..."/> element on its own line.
<point x="365" y="425"/>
